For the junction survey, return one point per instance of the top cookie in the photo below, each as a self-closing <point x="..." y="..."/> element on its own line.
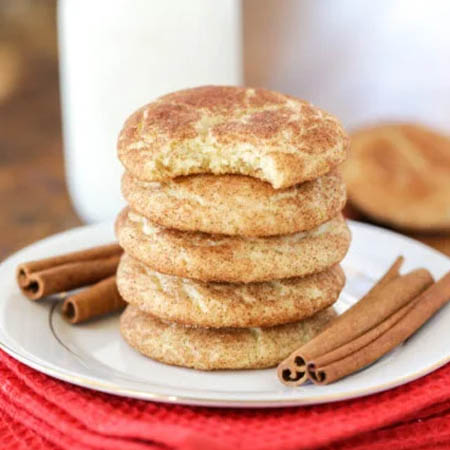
<point x="399" y="174"/>
<point x="232" y="130"/>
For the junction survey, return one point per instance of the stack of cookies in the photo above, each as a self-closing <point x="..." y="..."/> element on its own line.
<point x="233" y="232"/>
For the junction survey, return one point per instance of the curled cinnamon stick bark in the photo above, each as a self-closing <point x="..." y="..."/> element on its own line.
<point x="100" y="299"/>
<point x="385" y="337"/>
<point x="38" y="279"/>
<point x="387" y="296"/>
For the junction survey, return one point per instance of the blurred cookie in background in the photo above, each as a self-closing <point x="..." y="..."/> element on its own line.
<point x="399" y="175"/>
<point x="439" y="241"/>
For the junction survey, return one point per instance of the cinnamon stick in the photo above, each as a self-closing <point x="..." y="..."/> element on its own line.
<point x="100" y="299"/>
<point x="292" y="371"/>
<point x="386" y="297"/>
<point x="38" y="279"/>
<point x="361" y="341"/>
<point x="379" y="341"/>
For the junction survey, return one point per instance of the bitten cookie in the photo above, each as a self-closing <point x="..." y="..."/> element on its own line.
<point x="232" y="130"/>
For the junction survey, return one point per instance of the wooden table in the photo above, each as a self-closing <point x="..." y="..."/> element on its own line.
<point x="33" y="194"/>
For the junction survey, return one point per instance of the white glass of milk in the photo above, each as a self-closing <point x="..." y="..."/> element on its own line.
<point x="115" y="56"/>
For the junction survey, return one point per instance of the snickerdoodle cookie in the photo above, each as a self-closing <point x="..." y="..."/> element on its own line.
<point x="399" y="174"/>
<point x="209" y="257"/>
<point x="218" y="305"/>
<point x="232" y="130"/>
<point x="210" y="348"/>
<point x="235" y="204"/>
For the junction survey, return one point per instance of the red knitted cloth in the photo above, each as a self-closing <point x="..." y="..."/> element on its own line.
<point x="38" y="412"/>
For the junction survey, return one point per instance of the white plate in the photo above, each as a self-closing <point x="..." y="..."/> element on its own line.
<point x="94" y="355"/>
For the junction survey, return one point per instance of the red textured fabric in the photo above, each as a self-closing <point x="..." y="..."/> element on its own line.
<point x="39" y="412"/>
<point x="16" y="436"/>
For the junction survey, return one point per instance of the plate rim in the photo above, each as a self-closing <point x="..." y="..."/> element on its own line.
<point x="94" y="383"/>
